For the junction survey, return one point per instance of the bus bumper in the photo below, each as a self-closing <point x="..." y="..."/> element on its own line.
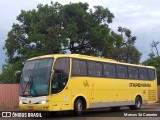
<point x="34" y="107"/>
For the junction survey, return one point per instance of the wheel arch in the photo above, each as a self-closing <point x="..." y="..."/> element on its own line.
<point x="84" y="101"/>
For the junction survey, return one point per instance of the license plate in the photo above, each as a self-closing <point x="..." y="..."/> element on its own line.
<point x="30" y="107"/>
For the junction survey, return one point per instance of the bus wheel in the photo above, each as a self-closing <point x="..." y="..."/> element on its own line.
<point x="138" y="103"/>
<point x="78" y="107"/>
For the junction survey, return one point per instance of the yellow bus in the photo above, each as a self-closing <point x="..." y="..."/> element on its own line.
<point x="77" y="82"/>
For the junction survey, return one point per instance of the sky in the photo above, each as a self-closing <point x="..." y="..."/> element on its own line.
<point x="142" y="17"/>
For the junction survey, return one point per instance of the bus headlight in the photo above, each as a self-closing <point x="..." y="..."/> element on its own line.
<point x="20" y="102"/>
<point x="43" y="101"/>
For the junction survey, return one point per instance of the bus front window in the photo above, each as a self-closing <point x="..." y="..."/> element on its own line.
<point x="36" y="77"/>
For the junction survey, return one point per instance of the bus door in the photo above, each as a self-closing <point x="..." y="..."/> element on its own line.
<point x="61" y="95"/>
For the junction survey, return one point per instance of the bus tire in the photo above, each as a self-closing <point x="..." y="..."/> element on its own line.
<point x="138" y="103"/>
<point x="78" y="107"/>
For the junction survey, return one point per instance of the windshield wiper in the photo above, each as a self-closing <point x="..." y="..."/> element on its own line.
<point x="30" y="78"/>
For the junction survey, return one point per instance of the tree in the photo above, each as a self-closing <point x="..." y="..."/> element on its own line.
<point x="7" y="75"/>
<point x="128" y="39"/>
<point x="126" y="52"/>
<point x="154" y="61"/>
<point x="88" y="32"/>
<point x="154" y="45"/>
<point x="59" y="29"/>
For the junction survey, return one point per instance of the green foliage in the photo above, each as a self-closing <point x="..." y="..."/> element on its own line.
<point x="56" y="28"/>
<point x="126" y="52"/>
<point x="154" y="61"/>
<point x="9" y="70"/>
<point x="7" y="75"/>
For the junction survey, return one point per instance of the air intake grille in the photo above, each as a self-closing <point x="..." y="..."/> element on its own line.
<point x="152" y="95"/>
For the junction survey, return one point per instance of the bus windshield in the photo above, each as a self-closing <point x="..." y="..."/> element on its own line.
<point x="36" y="77"/>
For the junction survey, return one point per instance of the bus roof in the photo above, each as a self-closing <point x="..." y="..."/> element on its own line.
<point x="86" y="57"/>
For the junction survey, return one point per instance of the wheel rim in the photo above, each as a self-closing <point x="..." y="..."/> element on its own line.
<point x="79" y="106"/>
<point x="138" y="102"/>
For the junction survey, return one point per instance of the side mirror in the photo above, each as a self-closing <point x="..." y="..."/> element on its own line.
<point x="17" y="76"/>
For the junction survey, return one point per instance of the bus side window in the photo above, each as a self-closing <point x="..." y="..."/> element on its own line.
<point x="91" y="68"/>
<point x="122" y="71"/>
<point x="109" y="70"/>
<point x="151" y="74"/>
<point x="133" y="72"/>
<point x="61" y="74"/>
<point x="83" y="67"/>
<point x="98" y="68"/>
<point x="143" y="73"/>
<point x="79" y="67"/>
<point x="75" y="67"/>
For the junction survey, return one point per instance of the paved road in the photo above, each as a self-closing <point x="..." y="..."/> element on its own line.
<point x="149" y="111"/>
